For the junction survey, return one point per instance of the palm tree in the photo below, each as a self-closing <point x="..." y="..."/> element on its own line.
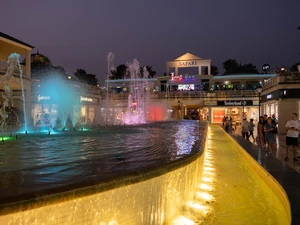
<point x="248" y="68"/>
<point x="213" y="70"/>
<point x="294" y="67"/>
<point x="120" y="71"/>
<point x="230" y="66"/>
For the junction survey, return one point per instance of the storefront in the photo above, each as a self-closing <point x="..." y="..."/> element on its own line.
<point x="235" y="109"/>
<point x="184" y="83"/>
<point x="48" y="110"/>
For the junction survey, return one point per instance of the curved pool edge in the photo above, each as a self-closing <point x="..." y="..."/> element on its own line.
<point x="113" y="183"/>
<point x="266" y="176"/>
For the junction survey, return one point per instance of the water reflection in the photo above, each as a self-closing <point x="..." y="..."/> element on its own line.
<point x="32" y="161"/>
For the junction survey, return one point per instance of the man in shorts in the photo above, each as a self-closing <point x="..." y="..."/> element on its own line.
<point x="292" y="127"/>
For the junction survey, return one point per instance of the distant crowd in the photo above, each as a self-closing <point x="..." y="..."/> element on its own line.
<point x="267" y="128"/>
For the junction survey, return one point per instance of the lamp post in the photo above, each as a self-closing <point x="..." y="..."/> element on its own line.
<point x="259" y="90"/>
<point x="243" y="103"/>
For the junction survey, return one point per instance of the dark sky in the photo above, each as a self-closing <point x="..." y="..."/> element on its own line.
<point x="80" y="34"/>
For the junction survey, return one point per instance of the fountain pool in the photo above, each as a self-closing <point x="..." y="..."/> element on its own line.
<point x="164" y="175"/>
<point x="39" y="163"/>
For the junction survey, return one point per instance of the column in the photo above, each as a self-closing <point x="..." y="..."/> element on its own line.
<point x="176" y="71"/>
<point x="28" y="63"/>
<point x="209" y="115"/>
<point x="208" y="70"/>
<point x="28" y="103"/>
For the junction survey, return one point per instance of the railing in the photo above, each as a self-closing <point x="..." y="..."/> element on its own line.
<point x="283" y="78"/>
<point x="86" y="87"/>
<point x="187" y="94"/>
<point x="4" y="66"/>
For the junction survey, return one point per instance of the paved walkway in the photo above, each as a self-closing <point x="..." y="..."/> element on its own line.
<point x="286" y="173"/>
<point x="278" y="151"/>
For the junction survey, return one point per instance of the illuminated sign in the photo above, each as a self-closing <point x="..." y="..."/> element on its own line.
<point x="176" y="78"/>
<point x="188" y="77"/>
<point x="186" y="87"/>
<point x="188" y="63"/>
<point x="269" y="96"/>
<point x="41" y="98"/>
<point x="235" y="103"/>
<point x="85" y="99"/>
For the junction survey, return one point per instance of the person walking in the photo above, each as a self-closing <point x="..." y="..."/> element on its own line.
<point x="292" y="127"/>
<point x="251" y="129"/>
<point x="245" y="128"/>
<point x="260" y="140"/>
<point x="275" y="122"/>
<point x="269" y="136"/>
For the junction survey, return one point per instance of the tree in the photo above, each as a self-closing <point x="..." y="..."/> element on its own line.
<point x="47" y="71"/>
<point x="120" y="72"/>
<point x="230" y="66"/>
<point x="294" y="67"/>
<point x="248" y="68"/>
<point x="83" y="77"/>
<point x="213" y="70"/>
<point x="150" y="71"/>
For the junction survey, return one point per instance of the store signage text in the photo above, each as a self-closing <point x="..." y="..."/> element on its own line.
<point x="176" y="78"/>
<point x="188" y="63"/>
<point x="41" y="98"/>
<point x="188" y="77"/>
<point x="85" y="99"/>
<point x="235" y="103"/>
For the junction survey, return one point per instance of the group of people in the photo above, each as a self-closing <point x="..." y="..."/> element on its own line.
<point x="266" y="130"/>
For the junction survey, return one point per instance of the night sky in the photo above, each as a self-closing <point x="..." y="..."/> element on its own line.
<point x="80" y="34"/>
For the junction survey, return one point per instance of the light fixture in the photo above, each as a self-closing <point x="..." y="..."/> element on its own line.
<point x="259" y="90"/>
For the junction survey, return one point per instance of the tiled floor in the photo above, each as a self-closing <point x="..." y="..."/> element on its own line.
<point x="279" y="151"/>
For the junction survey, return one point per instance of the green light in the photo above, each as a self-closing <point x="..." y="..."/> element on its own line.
<point x="6" y="138"/>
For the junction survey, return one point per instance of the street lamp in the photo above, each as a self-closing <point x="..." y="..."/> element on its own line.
<point x="243" y="103"/>
<point x="259" y="90"/>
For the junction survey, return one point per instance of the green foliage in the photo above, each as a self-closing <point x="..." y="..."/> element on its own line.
<point x="232" y="67"/>
<point x="150" y="71"/>
<point x="120" y="72"/>
<point x="213" y="70"/>
<point x="41" y="71"/>
<point x="83" y="77"/>
<point x="294" y="67"/>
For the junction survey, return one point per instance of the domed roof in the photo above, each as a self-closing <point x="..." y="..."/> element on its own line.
<point x="38" y="58"/>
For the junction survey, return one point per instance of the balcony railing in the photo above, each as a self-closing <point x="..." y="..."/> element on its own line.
<point x="86" y="87"/>
<point x="187" y="94"/>
<point x="283" y="78"/>
<point x="4" y="66"/>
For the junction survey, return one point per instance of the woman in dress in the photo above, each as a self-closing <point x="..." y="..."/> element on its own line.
<point x="260" y="140"/>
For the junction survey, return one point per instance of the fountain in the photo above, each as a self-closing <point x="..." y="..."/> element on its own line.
<point x="65" y="114"/>
<point x="137" y="86"/>
<point x="13" y="66"/>
<point x="110" y="69"/>
<point x="138" y="98"/>
<point x="153" y="173"/>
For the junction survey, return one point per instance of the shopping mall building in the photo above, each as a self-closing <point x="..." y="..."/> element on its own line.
<point x="187" y="91"/>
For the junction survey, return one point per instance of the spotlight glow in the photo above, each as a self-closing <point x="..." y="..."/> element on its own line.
<point x="205" y="196"/>
<point x="198" y="208"/>
<point x="206" y="187"/>
<point x="182" y="221"/>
